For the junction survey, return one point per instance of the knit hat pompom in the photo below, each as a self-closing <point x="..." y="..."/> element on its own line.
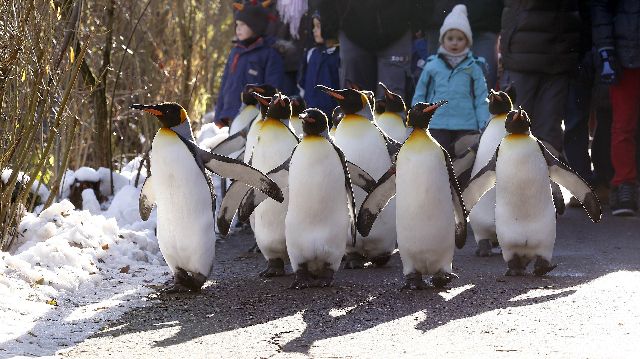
<point x="457" y="19"/>
<point x="254" y="14"/>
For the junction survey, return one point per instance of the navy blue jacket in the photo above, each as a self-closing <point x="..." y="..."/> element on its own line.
<point x="321" y="68"/>
<point x="258" y="63"/>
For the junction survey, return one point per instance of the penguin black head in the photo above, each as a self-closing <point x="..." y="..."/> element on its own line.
<point x="297" y="105"/>
<point x="420" y="114"/>
<point x="265" y="90"/>
<point x="279" y="106"/>
<point x="517" y="122"/>
<point x="351" y="101"/>
<point x="247" y="95"/>
<point x="170" y="114"/>
<point x="336" y="116"/>
<point x="314" y="122"/>
<point x="499" y="102"/>
<point x="393" y="101"/>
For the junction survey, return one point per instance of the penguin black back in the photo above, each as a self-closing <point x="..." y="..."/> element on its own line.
<point x="314" y="122"/>
<point x="393" y="102"/>
<point x="517" y="122"/>
<point x="170" y="114"/>
<point x="421" y="113"/>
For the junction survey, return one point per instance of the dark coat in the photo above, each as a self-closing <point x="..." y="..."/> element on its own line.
<point x="256" y="64"/>
<point x="540" y="36"/>
<point x="484" y="15"/>
<point x="321" y="68"/>
<point x="616" y="24"/>
<point x="372" y="25"/>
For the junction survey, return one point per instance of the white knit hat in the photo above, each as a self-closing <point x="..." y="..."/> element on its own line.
<point x="457" y="19"/>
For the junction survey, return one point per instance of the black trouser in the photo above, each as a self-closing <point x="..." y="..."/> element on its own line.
<point x="447" y="138"/>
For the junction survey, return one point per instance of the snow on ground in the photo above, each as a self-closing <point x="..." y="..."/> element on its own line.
<point x="71" y="270"/>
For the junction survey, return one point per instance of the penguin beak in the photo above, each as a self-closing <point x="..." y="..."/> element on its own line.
<point x="147" y="108"/>
<point x="263" y="100"/>
<point x="434" y="106"/>
<point x="331" y="92"/>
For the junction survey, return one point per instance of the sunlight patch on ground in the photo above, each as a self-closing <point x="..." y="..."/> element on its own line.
<point x="451" y="293"/>
<point x="88" y="311"/>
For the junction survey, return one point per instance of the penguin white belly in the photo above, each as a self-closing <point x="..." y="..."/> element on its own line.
<point x="295" y="124"/>
<point x="252" y="138"/>
<point x="483" y="215"/>
<point x="393" y="126"/>
<point x="274" y="146"/>
<point x="425" y="221"/>
<point x="185" y="213"/>
<point x="363" y="145"/>
<point x="243" y="119"/>
<point x="317" y="220"/>
<point x="525" y="215"/>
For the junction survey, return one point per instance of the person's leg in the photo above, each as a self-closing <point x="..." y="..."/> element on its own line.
<point x="625" y="103"/>
<point x="576" y="125"/>
<point x="356" y="65"/>
<point x="484" y="45"/>
<point x="526" y="85"/>
<point x="550" y="109"/>
<point x="394" y="67"/>
<point x="444" y="138"/>
<point x="601" y="145"/>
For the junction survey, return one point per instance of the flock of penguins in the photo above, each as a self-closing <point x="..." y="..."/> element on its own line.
<point x="351" y="188"/>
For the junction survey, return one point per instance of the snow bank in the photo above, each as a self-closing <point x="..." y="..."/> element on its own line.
<point x="36" y="187"/>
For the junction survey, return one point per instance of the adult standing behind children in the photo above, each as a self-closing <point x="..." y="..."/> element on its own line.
<point x="540" y="44"/>
<point x="617" y="41"/>
<point x="251" y="60"/>
<point x="455" y="75"/>
<point x="321" y="66"/>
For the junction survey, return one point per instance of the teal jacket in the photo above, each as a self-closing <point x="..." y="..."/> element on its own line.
<point x="464" y="87"/>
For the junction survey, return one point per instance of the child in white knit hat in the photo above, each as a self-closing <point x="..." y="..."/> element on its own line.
<point x="457" y="76"/>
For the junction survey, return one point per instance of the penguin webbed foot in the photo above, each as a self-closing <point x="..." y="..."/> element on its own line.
<point x="484" y="248"/>
<point x="414" y="281"/>
<point x="325" y="277"/>
<point x="542" y="266"/>
<point x="442" y="278"/>
<point x="517" y="266"/>
<point x="275" y="268"/>
<point x="354" y="260"/>
<point x="303" y="278"/>
<point x="184" y="281"/>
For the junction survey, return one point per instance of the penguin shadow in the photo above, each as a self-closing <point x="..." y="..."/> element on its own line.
<point x="362" y="299"/>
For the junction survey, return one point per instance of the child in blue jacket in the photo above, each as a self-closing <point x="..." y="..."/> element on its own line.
<point x="320" y="67"/>
<point x="252" y="60"/>
<point x="455" y="75"/>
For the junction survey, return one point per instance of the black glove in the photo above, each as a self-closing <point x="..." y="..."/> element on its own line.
<point x="609" y="70"/>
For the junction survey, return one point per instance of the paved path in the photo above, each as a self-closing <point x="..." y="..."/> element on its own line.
<point x="589" y="307"/>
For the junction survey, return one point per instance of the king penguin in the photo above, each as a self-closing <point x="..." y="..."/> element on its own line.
<point x="321" y="216"/>
<point x="185" y="197"/>
<point x="520" y="170"/>
<point x="297" y="106"/>
<point x="392" y="118"/>
<point x="431" y="217"/>
<point x="365" y="145"/>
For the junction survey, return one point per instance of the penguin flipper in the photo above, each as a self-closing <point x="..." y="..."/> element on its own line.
<point x="482" y="182"/>
<point x="231" y="144"/>
<point x="459" y="210"/>
<point x="231" y="168"/>
<point x="147" y="199"/>
<point x="558" y="198"/>
<point x="563" y="175"/>
<point x="376" y="201"/>
<point x="253" y="198"/>
<point x="230" y="203"/>
<point x="351" y="206"/>
<point x="360" y="177"/>
<point x="463" y="164"/>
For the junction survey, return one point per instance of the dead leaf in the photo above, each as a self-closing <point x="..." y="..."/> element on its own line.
<point x="124" y="269"/>
<point x="105" y="246"/>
